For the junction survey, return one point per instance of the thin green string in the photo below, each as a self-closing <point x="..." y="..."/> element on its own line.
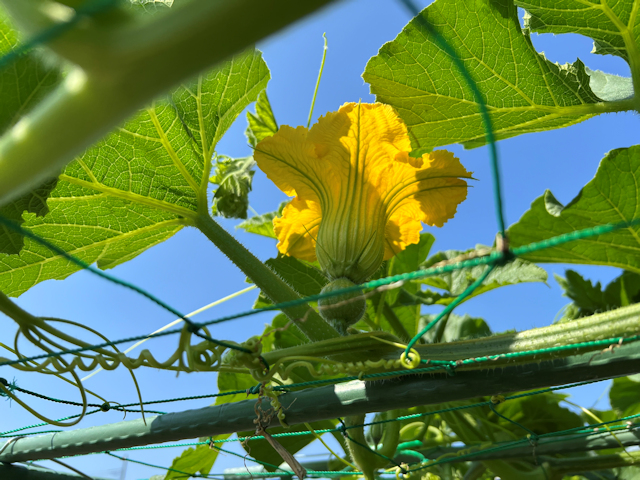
<point x="485" y="260"/>
<point x="501" y="446"/>
<point x="343" y="429"/>
<point x="192" y="326"/>
<point x="484" y="113"/>
<point x="449" y="308"/>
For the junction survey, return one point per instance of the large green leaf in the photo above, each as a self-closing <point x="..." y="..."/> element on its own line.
<point x="589" y="299"/>
<point x="231" y="382"/>
<point x="523" y="91"/>
<point x="141" y="184"/>
<point x="193" y="460"/>
<point x="539" y="413"/>
<point x="23" y="84"/>
<point x="457" y="281"/>
<point x="385" y="308"/>
<point x="625" y="395"/>
<point x="611" y="197"/>
<point x="613" y="25"/>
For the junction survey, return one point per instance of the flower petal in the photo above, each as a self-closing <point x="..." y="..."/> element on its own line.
<point x="297" y="229"/>
<point x="352" y="170"/>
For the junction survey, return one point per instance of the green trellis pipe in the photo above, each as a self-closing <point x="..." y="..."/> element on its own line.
<point x="328" y="402"/>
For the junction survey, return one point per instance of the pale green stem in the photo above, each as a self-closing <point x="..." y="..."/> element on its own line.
<point x="621" y="322"/>
<point x="271" y="285"/>
<point x="123" y="64"/>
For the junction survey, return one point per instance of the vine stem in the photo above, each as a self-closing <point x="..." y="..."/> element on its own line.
<point x="313" y="326"/>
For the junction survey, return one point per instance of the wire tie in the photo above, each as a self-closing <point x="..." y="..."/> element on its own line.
<point x="4" y="382"/>
<point x="451" y="369"/>
<point x="342" y="428"/>
<point x="264" y="362"/>
<point x="192" y="327"/>
<point x="255" y="390"/>
<point x="105" y="407"/>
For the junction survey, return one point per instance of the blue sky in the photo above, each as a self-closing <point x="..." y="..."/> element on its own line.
<point x="188" y="272"/>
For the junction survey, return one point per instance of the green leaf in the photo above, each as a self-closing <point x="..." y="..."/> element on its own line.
<point x="11" y="242"/>
<point x="141" y="184"/>
<point x="539" y="413"/>
<point x="457" y="281"/>
<point x="303" y="278"/>
<point x="193" y="460"/>
<point x="523" y="91"/>
<point x="393" y="316"/>
<point x="233" y="177"/>
<point x="282" y="333"/>
<point x="625" y="395"/>
<point x="610" y="87"/>
<point x="262" y="124"/>
<point x="261" y="450"/>
<point x="590" y="299"/>
<point x="454" y="328"/>
<point x="611" y="197"/>
<point x="151" y="6"/>
<point x="230" y="382"/>
<point x="607" y="23"/>
<point x="409" y="260"/>
<point x="263" y="224"/>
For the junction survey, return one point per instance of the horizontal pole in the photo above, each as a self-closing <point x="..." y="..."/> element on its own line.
<point x="329" y="402"/>
<point x="544" y="446"/>
<point x="31" y="472"/>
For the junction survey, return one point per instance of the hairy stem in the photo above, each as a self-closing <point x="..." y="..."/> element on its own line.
<point x="271" y="284"/>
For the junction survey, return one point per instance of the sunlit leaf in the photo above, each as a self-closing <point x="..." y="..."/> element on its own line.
<point x="523" y="91"/>
<point x="607" y="23"/>
<point x="589" y="298"/>
<point x="262" y="124"/>
<point x="142" y="183"/>
<point x="457" y="281"/>
<point x="193" y="460"/>
<point x="611" y="197"/>
<point x="610" y="87"/>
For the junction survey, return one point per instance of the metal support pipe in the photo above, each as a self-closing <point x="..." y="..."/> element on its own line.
<point x="328" y="402"/>
<point x="30" y="472"/>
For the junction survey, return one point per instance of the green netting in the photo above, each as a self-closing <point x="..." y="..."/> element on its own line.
<point x="502" y="255"/>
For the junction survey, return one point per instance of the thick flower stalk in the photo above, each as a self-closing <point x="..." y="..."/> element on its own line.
<point x="359" y="197"/>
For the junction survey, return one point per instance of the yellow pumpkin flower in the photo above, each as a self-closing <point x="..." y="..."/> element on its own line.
<point x="359" y="196"/>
